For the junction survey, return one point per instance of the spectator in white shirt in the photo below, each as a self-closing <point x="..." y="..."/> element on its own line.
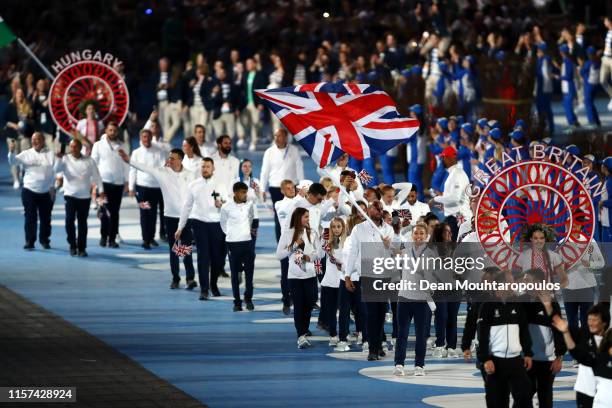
<point x="37" y="194"/>
<point x="202" y="205"/>
<point x="280" y="162"/>
<point x="227" y="166"/>
<point x="253" y="195"/>
<point x="237" y="217"/>
<point x="114" y="173"/>
<point x="173" y="180"/>
<point x="145" y="187"/>
<point x="80" y="172"/>
<point x="193" y="157"/>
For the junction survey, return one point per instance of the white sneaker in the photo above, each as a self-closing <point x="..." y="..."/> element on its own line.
<point x="610" y="105"/>
<point x="452" y="353"/>
<point x="364" y="347"/>
<point x="342" y="347"/>
<point x="431" y="343"/>
<point x="303" y="342"/>
<point x="580" y="107"/>
<point x="16" y="185"/>
<point x="240" y="144"/>
<point x="399" y="370"/>
<point x="439" y="352"/>
<point x="252" y="147"/>
<point x="419" y="371"/>
<point x="333" y="341"/>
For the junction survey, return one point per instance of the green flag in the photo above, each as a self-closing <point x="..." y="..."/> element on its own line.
<point x="6" y="35"/>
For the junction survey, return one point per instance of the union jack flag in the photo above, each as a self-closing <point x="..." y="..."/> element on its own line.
<point x="181" y="250"/>
<point x="144" y="205"/>
<point x="329" y="119"/>
<point x="318" y="265"/>
<point x="405" y="213"/>
<point x="365" y="177"/>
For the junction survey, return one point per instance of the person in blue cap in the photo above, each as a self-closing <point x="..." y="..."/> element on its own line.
<point x="465" y="148"/>
<point x="520" y="124"/>
<point x="518" y="139"/>
<point x="441" y="141"/>
<point x="467" y="87"/>
<point x="590" y="78"/>
<point x="481" y="126"/>
<point x="544" y="88"/>
<point x="495" y="145"/>
<point x="568" y="88"/>
<point x="416" y="152"/>
<point x="605" y="205"/>
<point x="453" y="129"/>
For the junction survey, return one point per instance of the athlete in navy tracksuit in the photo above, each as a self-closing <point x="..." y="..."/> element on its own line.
<point x="548" y="350"/>
<point x="503" y="334"/>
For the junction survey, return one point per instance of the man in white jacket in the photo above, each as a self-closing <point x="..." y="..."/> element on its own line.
<point x="114" y="173"/>
<point x="173" y="180"/>
<point x="80" y="172"/>
<point x="37" y="194"/>
<point x="145" y="187"/>
<point x="454" y="199"/>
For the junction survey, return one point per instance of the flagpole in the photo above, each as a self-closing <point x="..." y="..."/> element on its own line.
<point x="324" y="172"/>
<point x="31" y="54"/>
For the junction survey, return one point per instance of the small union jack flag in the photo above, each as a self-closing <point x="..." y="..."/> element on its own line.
<point x="318" y="265"/>
<point x="103" y="212"/>
<point x="335" y="261"/>
<point x="365" y="177"/>
<point x="144" y="205"/>
<point x="326" y="247"/>
<point x="181" y="250"/>
<point x="404" y="214"/>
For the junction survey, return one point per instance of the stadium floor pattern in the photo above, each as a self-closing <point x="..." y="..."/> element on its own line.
<point x="221" y="358"/>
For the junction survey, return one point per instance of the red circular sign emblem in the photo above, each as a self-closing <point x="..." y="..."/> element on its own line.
<point x="88" y="80"/>
<point x="533" y="192"/>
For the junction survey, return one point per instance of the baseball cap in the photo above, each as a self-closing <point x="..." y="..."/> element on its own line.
<point x="493" y="124"/>
<point x="517" y="135"/>
<point x="573" y="149"/>
<point x="590" y="50"/>
<point x="467" y="128"/>
<point x="590" y="158"/>
<point x="495" y="134"/>
<point x="607" y="162"/>
<point x="416" y="108"/>
<point x="449" y="151"/>
<point x="443" y="122"/>
<point x="482" y="122"/>
<point x="521" y="123"/>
